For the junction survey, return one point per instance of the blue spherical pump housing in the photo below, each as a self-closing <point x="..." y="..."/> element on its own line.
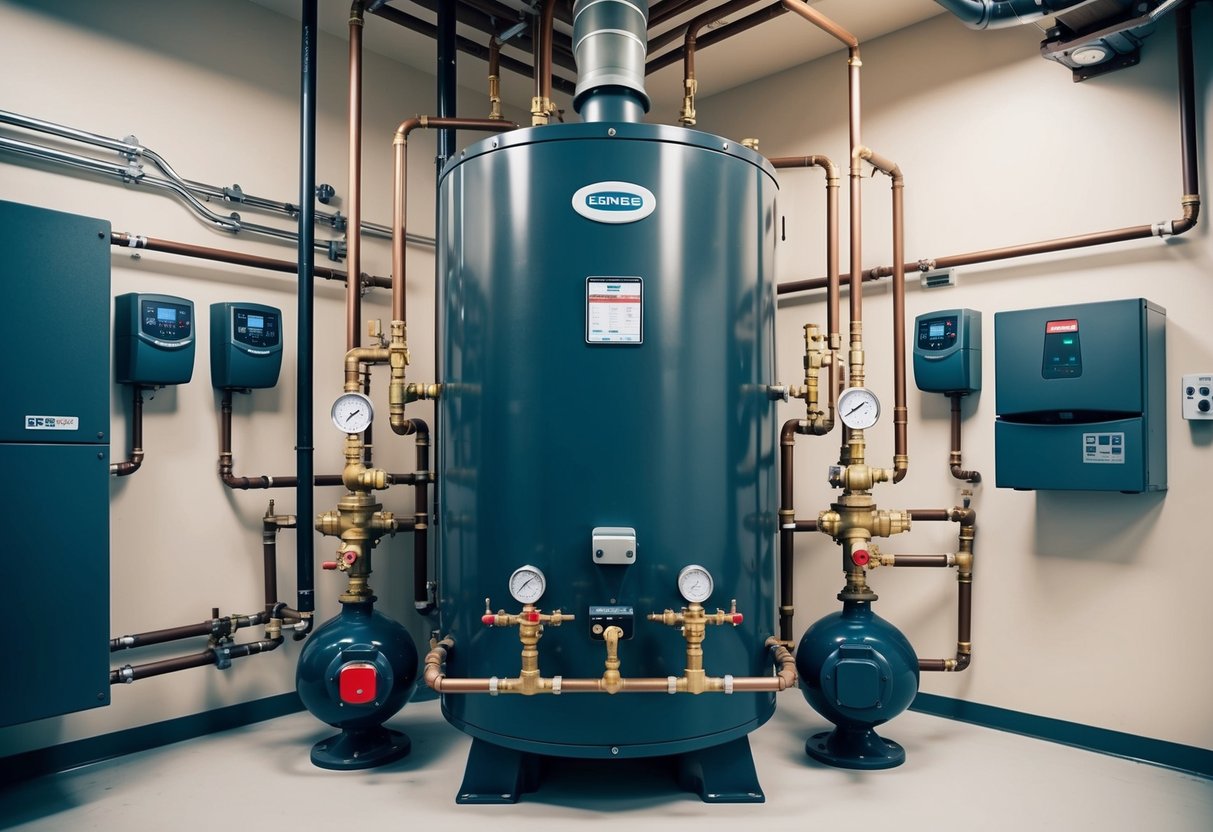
<point x="357" y="670"/>
<point x="858" y="671"/>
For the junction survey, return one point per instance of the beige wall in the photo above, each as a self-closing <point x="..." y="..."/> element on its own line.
<point x="1086" y="604"/>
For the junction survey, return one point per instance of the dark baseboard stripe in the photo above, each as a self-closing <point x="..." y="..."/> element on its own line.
<point x="22" y="767"/>
<point x="1186" y="758"/>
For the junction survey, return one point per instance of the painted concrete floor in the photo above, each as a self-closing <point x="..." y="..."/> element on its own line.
<point x="956" y="776"/>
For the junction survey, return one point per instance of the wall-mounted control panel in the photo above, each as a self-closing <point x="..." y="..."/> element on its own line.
<point x="153" y="339"/>
<point x="947" y="351"/>
<point x="246" y="345"/>
<point x="1197" y="396"/>
<point x="1080" y="392"/>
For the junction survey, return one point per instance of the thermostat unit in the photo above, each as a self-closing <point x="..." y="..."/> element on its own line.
<point x="154" y="339"/>
<point x="246" y="345"/>
<point x="947" y="351"/>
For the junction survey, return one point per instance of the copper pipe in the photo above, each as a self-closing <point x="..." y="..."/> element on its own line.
<point x="1189" y="201"/>
<point x="837" y="379"/>
<point x="806" y="526"/>
<point x="270" y="524"/>
<point x="132" y="463"/>
<point x="399" y="175"/>
<point x="546" y="30"/>
<point x="132" y="673"/>
<point x="901" y="459"/>
<point x="927" y="515"/>
<point x="353" y="232"/>
<point x="219" y="255"/>
<point x="917" y="560"/>
<point x="227" y="465"/>
<point x="967" y="518"/>
<point x="954" y="457"/>
<point x="215" y="628"/>
<point x="494" y="78"/>
<point x="435" y="678"/>
<point x="688" y="51"/>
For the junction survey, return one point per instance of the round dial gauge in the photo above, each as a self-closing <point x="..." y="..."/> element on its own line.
<point x="858" y="407"/>
<point x="527" y="583"/>
<point x="352" y="413"/>
<point x="695" y="583"/>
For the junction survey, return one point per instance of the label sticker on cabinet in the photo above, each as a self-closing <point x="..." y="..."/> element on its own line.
<point x="614" y="310"/>
<point x="52" y="423"/>
<point x="1103" y="448"/>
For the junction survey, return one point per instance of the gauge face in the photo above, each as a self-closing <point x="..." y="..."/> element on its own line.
<point x="352" y="413"/>
<point x="527" y="584"/>
<point x="858" y="407"/>
<point x="695" y="583"/>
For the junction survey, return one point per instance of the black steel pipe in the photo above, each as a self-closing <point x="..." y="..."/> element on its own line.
<point x="446" y="82"/>
<point x="305" y="545"/>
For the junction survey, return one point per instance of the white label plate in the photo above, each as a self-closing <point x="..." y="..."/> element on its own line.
<point x="614" y="310"/>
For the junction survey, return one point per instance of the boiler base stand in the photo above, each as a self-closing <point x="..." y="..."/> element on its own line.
<point x="354" y="749"/>
<point x="719" y="774"/>
<point x="858" y="749"/>
<point x="496" y="774"/>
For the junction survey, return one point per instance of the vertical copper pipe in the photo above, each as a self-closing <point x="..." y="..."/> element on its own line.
<point x="132" y="464"/>
<point x="901" y="457"/>
<point x="399" y="188"/>
<point x="692" y="33"/>
<point x="546" y="30"/>
<point x="954" y="457"/>
<point x="353" y="227"/>
<point x="837" y="377"/>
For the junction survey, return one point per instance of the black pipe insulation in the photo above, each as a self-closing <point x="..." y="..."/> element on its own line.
<point x="446" y="82"/>
<point x="220" y="656"/>
<point x="215" y="628"/>
<point x="304" y="468"/>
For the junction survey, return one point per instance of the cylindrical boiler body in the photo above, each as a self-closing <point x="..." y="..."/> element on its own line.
<point x="560" y="415"/>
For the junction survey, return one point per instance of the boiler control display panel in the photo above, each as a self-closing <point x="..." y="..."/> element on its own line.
<point x="1063" y="350"/>
<point x="167" y="321"/>
<point x="935" y="334"/>
<point x="256" y="327"/>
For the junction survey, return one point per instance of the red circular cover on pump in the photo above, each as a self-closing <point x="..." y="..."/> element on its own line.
<point x="860" y="557"/>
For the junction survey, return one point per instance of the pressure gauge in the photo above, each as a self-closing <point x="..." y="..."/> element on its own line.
<point x="527" y="583"/>
<point x="695" y="583"/>
<point x="352" y="413"/>
<point x="858" y="407"/>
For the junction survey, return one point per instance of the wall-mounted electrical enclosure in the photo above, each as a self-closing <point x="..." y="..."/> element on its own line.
<point x="246" y="345"/>
<point x="55" y="456"/>
<point x="947" y="351"/>
<point x="1081" y="397"/>
<point x="153" y="339"/>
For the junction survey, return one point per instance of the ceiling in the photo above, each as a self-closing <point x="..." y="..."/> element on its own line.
<point x="757" y="53"/>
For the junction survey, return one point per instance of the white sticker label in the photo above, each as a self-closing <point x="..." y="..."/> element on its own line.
<point x="614" y="202"/>
<point x="1103" y="448"/>
<point x="614" y="310"/>
<point x="52" y="423"/>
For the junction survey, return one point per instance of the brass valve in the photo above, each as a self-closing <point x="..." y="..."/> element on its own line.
<point x="687" y="116"/>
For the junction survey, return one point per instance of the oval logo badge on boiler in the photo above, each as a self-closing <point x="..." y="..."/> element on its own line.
<point x="614" y="202"/>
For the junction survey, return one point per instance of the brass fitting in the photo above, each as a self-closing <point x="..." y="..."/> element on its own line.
<point x="816" y="356"/>
<point x="612" y="681"/>
<point x="398" y="359"/>
<point x="422" y="392"/>
<point x="541" y="110"/>
<point x="858" y="477"/>
<point x="530" y="624"/>
<point x="856" y="356"/>
<point x="751" y="143"/>
<point x="494" y="97"/>
<point x="355" y="358"/>
<point x="687" y="115"/>
<point x="694" y="621"/>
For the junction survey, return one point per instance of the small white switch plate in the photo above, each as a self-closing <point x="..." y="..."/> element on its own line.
<point x="1197" y="396"/>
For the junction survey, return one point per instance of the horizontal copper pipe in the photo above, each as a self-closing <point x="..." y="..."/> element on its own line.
<point x="220" y="255"/>
<point x="930" y="514"/>
<point x="921" y="560"/>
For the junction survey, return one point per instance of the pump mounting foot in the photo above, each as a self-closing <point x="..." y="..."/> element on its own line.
<point x="853" y="748"/>
<point x="355" y="749"/>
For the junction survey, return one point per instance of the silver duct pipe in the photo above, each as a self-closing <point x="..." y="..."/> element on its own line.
<point x="610" y="40"/>
<point x="206" y="192"/>
<point x="999" y="14"/>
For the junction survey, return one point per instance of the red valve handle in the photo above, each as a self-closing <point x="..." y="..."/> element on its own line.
<point x="489" y="619"/>
<point x="860" y="557"/>
<point x="329" y="564"/>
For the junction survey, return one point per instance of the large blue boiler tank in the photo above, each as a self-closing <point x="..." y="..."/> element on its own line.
<point x="606" y="328"/>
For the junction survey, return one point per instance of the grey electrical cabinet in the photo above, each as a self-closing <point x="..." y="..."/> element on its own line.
<point x="54" y="460"/>
<point x="1080" y="396"/>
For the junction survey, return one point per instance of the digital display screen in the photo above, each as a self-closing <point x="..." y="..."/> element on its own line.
<point x="256" y="322"/>
<point x="166" y="313"/>
<point x="936" y="329"/>
<point x="256" y="328"/>
<point x="164" y="320"/>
